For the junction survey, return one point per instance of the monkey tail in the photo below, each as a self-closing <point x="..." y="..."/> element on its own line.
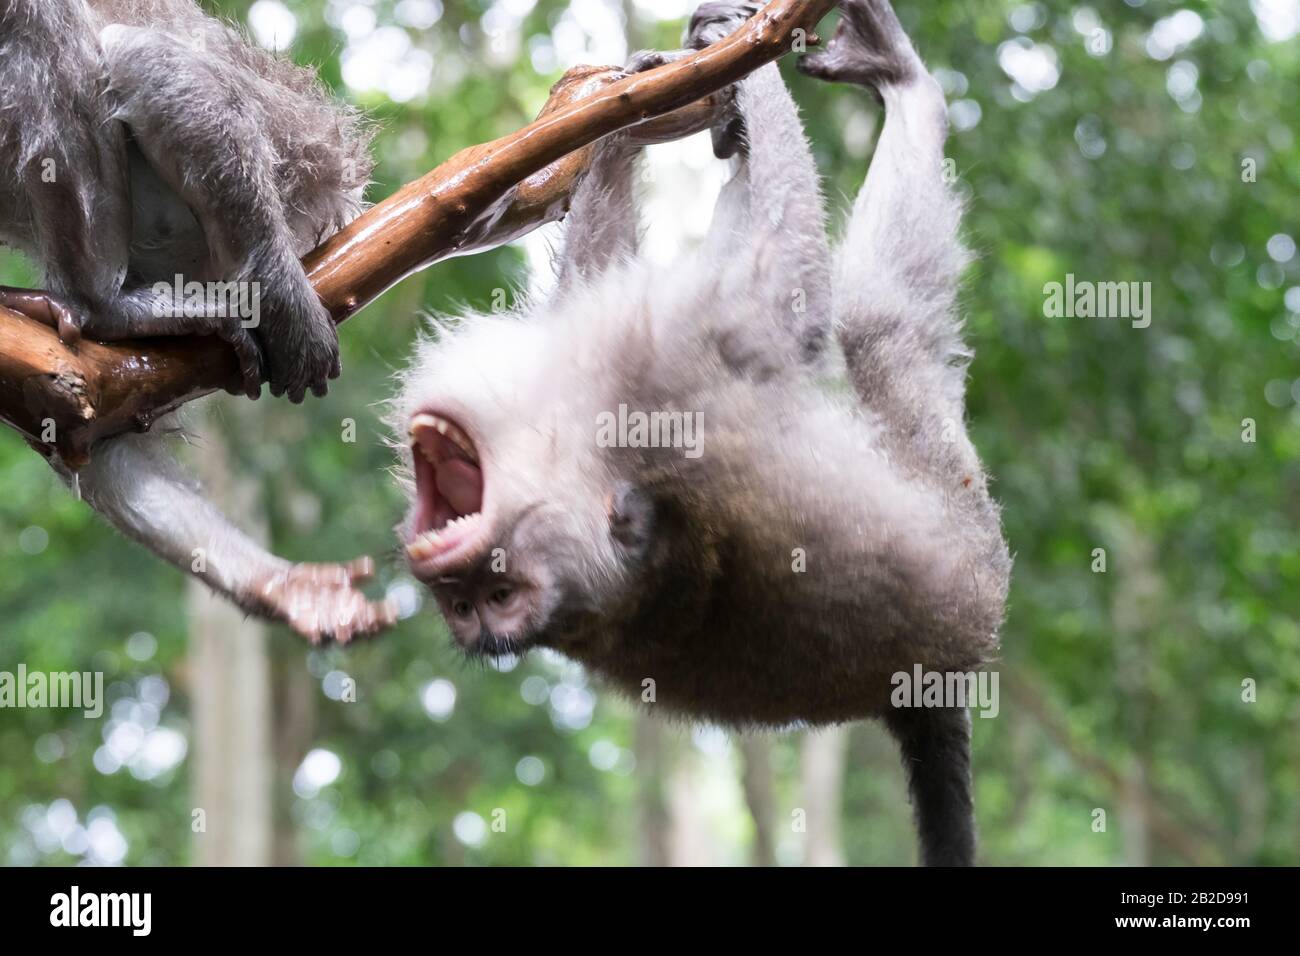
<point x="935" y="745"/>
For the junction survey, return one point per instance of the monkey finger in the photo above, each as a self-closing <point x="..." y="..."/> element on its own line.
<point x="376" y="617"/>
<point x="645" y="60"/>
<point x="47" y="309"/>
<point x="69" y="327"/>
<point x="306" y="626"/>
<point x="250" y="357"/>
<point x="389" y="613"/>
<point x="336" y="577"/>
<point x="815" y="65"/>
<point x="712" y="22"/>
<point x="360" y="569"/>
<point x="323" y="617"/>
<point x="729" y="136"/>
<point x="343" y="630"/>
<point x="359" y="617"/>
<point x="252" y="381"/>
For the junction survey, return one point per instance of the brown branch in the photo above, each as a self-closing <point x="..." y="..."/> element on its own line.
<point x="481" y="197"/>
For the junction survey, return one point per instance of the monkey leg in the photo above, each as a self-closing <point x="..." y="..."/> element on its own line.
<point x="869" y="48"/>
<point x="601" y="227"/>
<point x="898" y="267"/>
<point x="769" y="227"/>
<point x="896" y="279"/>
<point x="136" y="314"/>
<point x="935" y="746"/>
<point x="201" y="132"/>
<point x="68" y="159"/>
<point x="73" y="166"/>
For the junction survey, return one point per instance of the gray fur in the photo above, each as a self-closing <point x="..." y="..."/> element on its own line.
<point x="177" y="147"/>
<point x="645" y="564"/>
<point x="196" y="119"/>
<point x="601" y="227"/>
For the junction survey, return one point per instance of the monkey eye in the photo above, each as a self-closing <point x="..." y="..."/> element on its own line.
<point x="461" y="608"/>
<point x="501" y="595"/>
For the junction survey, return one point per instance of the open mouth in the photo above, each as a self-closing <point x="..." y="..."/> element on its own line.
<point x="448" y="521"/>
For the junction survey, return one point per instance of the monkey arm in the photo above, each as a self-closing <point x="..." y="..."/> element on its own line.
<point x="601" y="228"/>
<point x="769" y="227"/>
<point x="551" y="194"/>
<point x="137" y="486"/>
<point x="204" y="131"/>
<point x="101" y="390"/>
<point x="602" y="225"/>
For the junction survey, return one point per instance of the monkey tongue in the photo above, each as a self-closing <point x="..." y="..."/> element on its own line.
<point x="461" y="485"/>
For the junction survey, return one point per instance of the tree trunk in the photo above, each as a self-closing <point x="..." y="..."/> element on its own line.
<point x="293" y="725"/>
<point x="230" y="686"/>
<point x="656" y="826"/>
<point x="822" y="777"/>
<point x="760" y="795"/>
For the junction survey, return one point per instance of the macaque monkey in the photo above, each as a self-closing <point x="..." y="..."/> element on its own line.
<point x="144" y="146"/>
<point x="808" y="545"/>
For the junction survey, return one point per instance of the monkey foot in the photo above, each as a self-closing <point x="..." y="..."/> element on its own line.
<point x="320" y="602"/>
<point x="74" y="321"/>
<point x="48" y="309"/>
<point x="869" y="48"/>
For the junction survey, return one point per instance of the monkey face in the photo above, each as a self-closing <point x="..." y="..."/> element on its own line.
<point x="492" y="617"/>
<point x="521" y="522"/>
<point x="513" y="556"/>
<point x="450" y="543"/>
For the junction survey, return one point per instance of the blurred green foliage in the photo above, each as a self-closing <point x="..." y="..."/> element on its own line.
<point x="1138" y="148"/>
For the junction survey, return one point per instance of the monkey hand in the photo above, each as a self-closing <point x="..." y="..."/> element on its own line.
<point x="710" y="23"/>
<point x="716" y="21"/>
<point x="644" y="60"/>
<point x="320" y="602"/>
<point x="298" y="338"/>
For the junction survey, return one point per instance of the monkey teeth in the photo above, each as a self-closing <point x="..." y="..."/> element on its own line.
<point x="432" y="543"/>
<point x="425" y="422"/>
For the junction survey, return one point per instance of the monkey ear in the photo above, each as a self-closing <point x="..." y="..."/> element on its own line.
<point x="631" y="515"/>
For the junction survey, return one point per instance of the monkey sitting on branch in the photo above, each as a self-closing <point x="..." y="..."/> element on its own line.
<point x="148" y="147"/>
<point x="802" y="548"/>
